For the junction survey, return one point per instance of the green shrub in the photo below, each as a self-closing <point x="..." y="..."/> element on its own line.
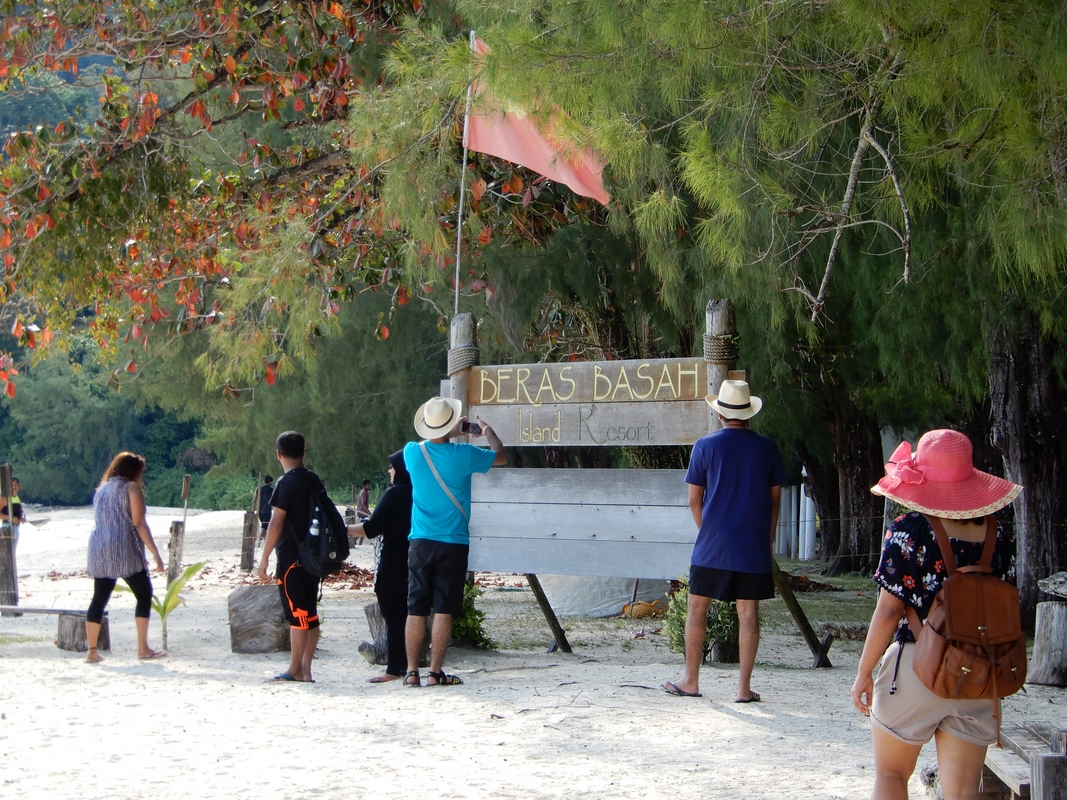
<point x="469" y="628"/>
<point x="722" y="627"/>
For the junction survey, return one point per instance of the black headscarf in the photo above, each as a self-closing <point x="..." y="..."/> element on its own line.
<point x="401" y="477"/>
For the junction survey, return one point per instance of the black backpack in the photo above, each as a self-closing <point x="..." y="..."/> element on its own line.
<point x="325" y="547"/>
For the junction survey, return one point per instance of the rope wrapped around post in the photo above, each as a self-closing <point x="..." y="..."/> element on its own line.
<point x="721" y="348"/>
<point x="462" y="357"/>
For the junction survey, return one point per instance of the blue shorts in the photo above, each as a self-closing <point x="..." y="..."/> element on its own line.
<point x="437" y="572"/>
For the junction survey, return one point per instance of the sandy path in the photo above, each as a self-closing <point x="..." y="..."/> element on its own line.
<point x="527" y="724"/>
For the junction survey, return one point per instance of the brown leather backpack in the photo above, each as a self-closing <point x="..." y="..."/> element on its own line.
<point x="972" y="644"/>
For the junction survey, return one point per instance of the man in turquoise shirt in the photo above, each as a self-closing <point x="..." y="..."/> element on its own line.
<point x="441" y="473"/>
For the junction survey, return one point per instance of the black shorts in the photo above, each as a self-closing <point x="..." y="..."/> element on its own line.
<point x="299" y="590"/>
<point x="725" y="584"/>
<point x="437" y="572"/>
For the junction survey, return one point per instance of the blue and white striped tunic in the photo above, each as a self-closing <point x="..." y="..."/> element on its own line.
<point x="115" y="549"/>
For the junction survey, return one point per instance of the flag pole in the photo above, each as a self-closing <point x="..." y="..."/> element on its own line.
<point x="463" y="182"/>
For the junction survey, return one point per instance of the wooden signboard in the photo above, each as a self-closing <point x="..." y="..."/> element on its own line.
<point x="608" y="403"/>
<point x="605" y="522"/>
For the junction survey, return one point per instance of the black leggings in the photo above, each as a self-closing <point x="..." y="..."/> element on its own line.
<point x="394" y="608"/>
<point x="141" y="586"/>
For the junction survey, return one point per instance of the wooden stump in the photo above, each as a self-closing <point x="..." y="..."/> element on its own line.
<point x="377" y="652"/>
<point x="72" y="634"/>
<point x="257" y="623"/>
<point x="1048" y="662"/>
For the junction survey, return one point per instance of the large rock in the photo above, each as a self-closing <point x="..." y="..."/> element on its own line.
<point x="1055" y="585"/>
<point x="257" y="624"/>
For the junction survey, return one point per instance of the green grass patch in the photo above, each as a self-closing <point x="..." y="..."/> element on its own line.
<point x="15" y="639"/>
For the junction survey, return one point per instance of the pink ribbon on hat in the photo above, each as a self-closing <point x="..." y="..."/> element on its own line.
<point x="902" y="468"/>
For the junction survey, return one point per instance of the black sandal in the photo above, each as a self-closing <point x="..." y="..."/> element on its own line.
<point x="441" y="679"/>
<point x="418" y="681"/>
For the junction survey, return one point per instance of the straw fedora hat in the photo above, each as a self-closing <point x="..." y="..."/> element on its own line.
<point x="734" y="401"/>
<point x="939" y="479"/>
<point x="437" y="416"/>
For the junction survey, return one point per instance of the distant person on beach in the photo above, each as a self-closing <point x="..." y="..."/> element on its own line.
<point x="117" y="550"/>
<point x="6" y="526"/>
<point x="266" y="491"/>
<point x="390" y="524"/>
<point x="735" y="481"/>
<point x="942" y="488"/>
<point x="289" y="519"/>
<point x="363" y="502"/>
<point x="440" y="539"/>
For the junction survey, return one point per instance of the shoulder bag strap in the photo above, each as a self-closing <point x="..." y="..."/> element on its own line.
<point x="436" y="474"/>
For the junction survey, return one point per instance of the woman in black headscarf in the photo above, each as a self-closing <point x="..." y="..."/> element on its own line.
<point x="391" y="520"/>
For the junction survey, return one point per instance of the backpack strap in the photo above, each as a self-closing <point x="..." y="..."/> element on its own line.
<point x="440" y="481"/>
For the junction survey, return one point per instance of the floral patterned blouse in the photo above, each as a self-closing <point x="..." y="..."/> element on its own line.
<point x="911" y="567"/>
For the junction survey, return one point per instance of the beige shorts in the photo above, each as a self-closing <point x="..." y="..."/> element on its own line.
<point x="913" y="712"/>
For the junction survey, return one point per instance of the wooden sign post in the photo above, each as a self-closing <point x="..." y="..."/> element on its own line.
<point x="611" y="523"/>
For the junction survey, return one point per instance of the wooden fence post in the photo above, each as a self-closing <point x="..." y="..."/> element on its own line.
<point x="248" y="540"/>
<point x="9" y="579"/>
<point x="720" y="349"/>
<point x="174" y="551"/>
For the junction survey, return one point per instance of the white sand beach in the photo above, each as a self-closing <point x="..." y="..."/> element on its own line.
<point x="526" y="724"/>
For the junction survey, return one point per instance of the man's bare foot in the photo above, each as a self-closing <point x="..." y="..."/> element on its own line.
<point x="152" y="654"/>
<point x="93" y="656"/>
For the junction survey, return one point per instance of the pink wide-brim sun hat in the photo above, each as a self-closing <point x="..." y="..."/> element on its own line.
<point x="940" y="479"/>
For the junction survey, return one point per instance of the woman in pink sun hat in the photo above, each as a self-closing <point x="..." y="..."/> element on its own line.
<point x="938" y="481"/>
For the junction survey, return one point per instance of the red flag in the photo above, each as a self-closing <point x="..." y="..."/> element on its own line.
<point x="514" y="137"/>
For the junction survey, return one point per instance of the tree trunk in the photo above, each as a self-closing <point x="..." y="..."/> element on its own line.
<point x="822" y="479"/>
<point x="858" y="458"/>
<point x="1030" y="430"/>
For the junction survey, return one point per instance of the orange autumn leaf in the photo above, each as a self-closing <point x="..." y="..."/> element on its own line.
<point x="231" y="64"/>
<point x="16" y="329"/>
<point x="10" y="389"/>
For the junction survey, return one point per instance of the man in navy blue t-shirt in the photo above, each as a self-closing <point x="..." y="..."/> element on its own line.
<point x="735" y="481"/>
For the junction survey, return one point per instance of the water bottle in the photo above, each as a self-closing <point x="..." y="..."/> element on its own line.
<point x="314" y="529"/>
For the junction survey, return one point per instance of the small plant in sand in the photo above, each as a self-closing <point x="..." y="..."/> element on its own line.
<point x="720" y="639"/>
<point x="172" y="599"/>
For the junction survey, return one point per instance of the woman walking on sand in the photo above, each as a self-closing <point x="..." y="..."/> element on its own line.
<point x="945" y="491"/>
<point x="117" y="550"/>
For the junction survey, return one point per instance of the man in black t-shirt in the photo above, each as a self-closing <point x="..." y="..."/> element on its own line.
<point x="291" y="502"/>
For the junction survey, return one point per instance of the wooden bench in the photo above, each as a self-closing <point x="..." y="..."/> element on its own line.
<point x="1032" y="763"/>
<point x="71" y="634"/>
